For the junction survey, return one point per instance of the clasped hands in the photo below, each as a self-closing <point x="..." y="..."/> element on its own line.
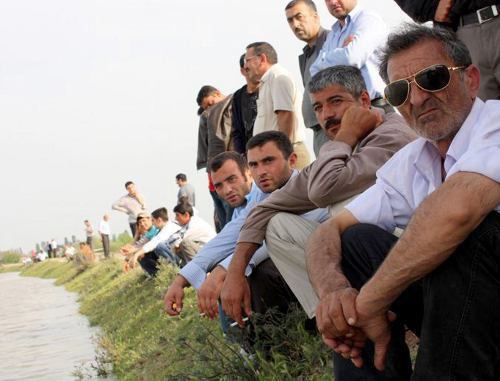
<point x="345" y="324"/>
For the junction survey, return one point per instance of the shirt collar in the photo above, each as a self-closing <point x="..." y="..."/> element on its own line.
<point x="308" y="50"/>
<point x="351" y="17"/>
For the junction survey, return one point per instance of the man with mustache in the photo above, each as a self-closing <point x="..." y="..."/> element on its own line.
<point x="303" y="19"/>
<point x="441" y="277"/>
<point x="362" y="140"/>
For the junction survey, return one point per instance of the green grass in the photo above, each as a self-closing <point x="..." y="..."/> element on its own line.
<point x="141" y="342"/>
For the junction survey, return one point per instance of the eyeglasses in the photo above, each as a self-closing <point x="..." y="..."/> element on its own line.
<point x="432" y="79"/>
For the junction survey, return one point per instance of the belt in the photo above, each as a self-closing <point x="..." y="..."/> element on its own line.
<point x="480" y="16"/>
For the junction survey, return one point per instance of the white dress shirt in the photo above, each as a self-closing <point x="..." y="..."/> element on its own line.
<point x="165" y="233"/>
<point x="415" y="172"/>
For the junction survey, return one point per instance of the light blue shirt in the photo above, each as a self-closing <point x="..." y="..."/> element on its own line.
<point x="370" y="33"/>
<point x="223" y="245"/>
<point x="414" y="172"/>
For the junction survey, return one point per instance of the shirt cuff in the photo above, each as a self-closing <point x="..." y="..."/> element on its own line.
<point x="194" y="274"/>
<point x="225" y="265"/>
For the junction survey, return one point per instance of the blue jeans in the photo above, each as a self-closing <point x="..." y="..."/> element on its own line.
<point x="455" y="310"/>
<point x="164" y="250"/>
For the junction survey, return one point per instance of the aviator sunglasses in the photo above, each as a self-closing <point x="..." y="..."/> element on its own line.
<point x="433" y="78"/>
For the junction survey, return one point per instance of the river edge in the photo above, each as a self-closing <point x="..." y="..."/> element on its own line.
<point x="140" y="342"/>
<point x="43" y="336"/>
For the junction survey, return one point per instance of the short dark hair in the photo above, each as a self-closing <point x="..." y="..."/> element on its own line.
<point x="264" y="48"/>
<point x="242" y="61"/>
<point x="349" y="77"/>
<point x="309" y="3"/>
<point x="181" y="176"/>
<point x="279" y="138"/>
<point x="160" y="213"/>
<point x="183" y="208"/>
<point x="128" y="183"/>
<point x="204" y="92"/>
<point x="410" y="34"/>
<point x="218" y="161"/>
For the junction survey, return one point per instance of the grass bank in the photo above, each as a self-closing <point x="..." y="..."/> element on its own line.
<point x="142" y="343"/>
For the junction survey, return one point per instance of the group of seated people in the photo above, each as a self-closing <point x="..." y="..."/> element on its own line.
<point x="325" y="237"/>
<point x="176" y="241"/>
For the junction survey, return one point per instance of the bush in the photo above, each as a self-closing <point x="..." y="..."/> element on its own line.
<point x="11" y="258"/>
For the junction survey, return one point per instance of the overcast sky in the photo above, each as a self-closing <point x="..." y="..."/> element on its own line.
<point x="95" y="93"/>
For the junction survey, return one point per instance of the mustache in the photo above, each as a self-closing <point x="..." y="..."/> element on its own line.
<point x="332" y="122"/>
<point x="428" y="104"/>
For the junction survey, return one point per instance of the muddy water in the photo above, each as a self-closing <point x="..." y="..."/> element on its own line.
<point x="42" y="335"/>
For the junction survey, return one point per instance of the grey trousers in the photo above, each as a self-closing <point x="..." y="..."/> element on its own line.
<point x="483" y="43"/>
<point x="188" y="249"/>
<point x="286" y="240"/>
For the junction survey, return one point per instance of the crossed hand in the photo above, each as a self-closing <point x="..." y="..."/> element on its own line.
<point x="345" y="328"/>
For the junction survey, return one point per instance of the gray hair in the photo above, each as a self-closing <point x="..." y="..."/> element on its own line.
<point x="265" y="48"/>
<point x="410" y="34"/>
<point x="348" y="77"/>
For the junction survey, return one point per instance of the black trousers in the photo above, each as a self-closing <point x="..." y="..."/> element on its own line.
<point x="133" y="228"/>
<point x="149" y="263"/>
<point x="455" y="310"/>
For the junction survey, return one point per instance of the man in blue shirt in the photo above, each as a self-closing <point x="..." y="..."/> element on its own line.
<point x="353" y="40"/>
<point x="271" y="165"/>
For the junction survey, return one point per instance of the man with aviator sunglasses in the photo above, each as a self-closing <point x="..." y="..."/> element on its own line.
<point x="441" y="277"/>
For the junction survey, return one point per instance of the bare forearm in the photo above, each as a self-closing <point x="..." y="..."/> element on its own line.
<point x="324" y="255"/>
<point x="440" y="224"/>
<point x="286" y="122"/>
<point x="242" y="255"/>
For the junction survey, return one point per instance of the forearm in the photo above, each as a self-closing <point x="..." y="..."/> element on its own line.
<point x="286" y="122"/>
<point x="242" y="255"/>
<point x="180" y="281"/>
<point x="440" y="224"/>
<point x="324" y="256"/>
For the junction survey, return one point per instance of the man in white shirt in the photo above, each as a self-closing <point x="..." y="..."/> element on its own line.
<point x="279" y="103"/>
<point x="194" y="233"/>
<point x="148" y="255"/>
<point x="104" y="231"/>
<point x="441" y="277"/>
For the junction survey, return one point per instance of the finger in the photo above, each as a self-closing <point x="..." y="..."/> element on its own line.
<point x="357" y="361"/>
<point x="247" y="305"/>
<point x="380" y="355"/>
<point x="178" y="302"/>
<point x="338" y="319"/>
<point x="349" y="308"/>
<point x="213" y="307"/>
<point x="391" y="316"/>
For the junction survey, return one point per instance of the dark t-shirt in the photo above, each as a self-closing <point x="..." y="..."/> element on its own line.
<point x="244" y="114"/>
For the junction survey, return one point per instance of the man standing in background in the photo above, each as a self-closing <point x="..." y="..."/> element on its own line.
<point x="186" y="190"/>
<point x="354" y="40"/>
<point x="132" y="204"/>
<point x="244" y="110"/>
<point x="89" y="232"/>
<point x="104" y="231"/>
<point x="279" y="102"/>
<point x="303" y="19"/>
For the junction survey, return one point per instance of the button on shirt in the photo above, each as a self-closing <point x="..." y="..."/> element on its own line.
<point x="278" y="92"/>
<point x="415" y="172"/>
<point x="223" y="244"/>
<point x="370" y="33"/>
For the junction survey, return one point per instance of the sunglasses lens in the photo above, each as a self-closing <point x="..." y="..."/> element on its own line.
<point x="396" y="92"/>
<point x="434" y="78"/>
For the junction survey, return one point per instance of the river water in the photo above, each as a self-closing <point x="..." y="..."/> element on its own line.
<point x="42" y="335"/>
